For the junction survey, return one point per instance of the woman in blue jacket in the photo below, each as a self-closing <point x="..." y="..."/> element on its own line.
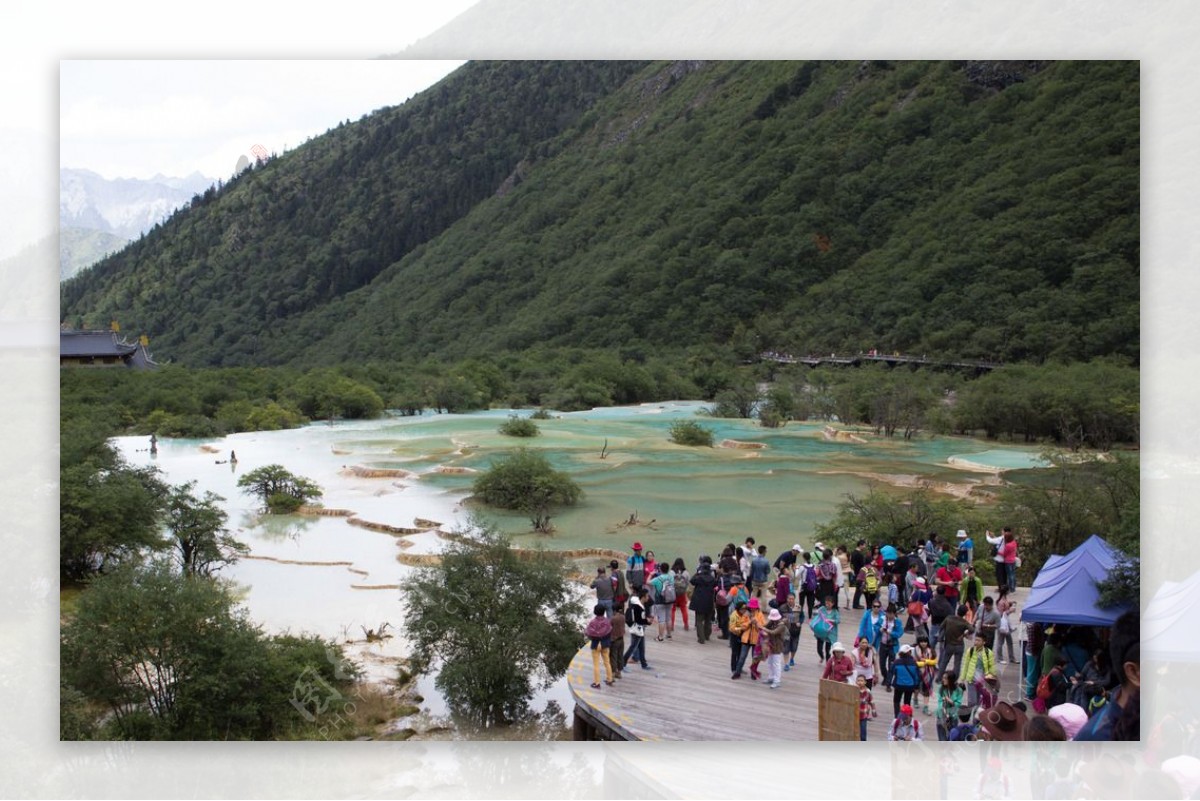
<point x="891" y="629"/>
<point x="905" y="678"/>
<point x="868" y="627"/>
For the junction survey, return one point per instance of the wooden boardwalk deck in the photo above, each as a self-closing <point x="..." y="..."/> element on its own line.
<point x="892" y="360"/>
<point x="689" y="695"/>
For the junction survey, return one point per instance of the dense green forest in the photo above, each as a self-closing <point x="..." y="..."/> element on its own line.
<point x="286" y="238"/>
<point x="1081" y="405"/>
<point x="972" y="209"/>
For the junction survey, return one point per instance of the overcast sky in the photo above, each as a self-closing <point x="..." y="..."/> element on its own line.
<point x="135" y="119"/>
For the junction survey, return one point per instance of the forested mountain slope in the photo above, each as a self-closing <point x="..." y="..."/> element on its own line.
<point x="978" y="209"/>
<point x="214" y="283"/>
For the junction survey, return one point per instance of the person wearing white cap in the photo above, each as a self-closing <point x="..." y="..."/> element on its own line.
<point x="905" y="678"/>
<point x="787" y="559"/>
<point x="839" y="667"/>
<point x="776" y="632"/>
<point x="966" y="548"/>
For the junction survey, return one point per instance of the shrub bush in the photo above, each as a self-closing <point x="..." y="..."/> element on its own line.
<point x="689" y="432"/>
<point x="516" y="426"/>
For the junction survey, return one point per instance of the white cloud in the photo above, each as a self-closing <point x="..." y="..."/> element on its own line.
<point x="139" y="118"/>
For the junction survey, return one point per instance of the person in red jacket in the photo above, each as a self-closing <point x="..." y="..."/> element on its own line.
<point x="949" y="576"/>
<point x="839" y="667"/>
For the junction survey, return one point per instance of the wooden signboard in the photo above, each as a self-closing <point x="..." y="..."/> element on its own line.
<point x="837" y="710"/>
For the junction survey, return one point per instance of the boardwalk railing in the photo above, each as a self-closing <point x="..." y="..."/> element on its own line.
<point x="863" y="358"/>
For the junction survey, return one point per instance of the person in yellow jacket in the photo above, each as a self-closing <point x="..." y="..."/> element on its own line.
<point x="752" y="634"/>
<point x="744" y="626"/>
<point x="979" y="663"/>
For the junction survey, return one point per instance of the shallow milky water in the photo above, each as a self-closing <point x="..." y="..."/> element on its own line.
<point x="699" y="498"/>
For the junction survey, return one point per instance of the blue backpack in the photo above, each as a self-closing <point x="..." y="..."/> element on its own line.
<point x="810" y="578"/>
<point x="905" y="675"/>
<point x="963" y="731"/>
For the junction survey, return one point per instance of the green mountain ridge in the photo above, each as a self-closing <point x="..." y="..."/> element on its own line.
<point x="968" y="209"/>
<point x="78" y="248"/>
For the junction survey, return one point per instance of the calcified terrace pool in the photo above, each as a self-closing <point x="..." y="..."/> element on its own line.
<point x="324" y="576"/>
<point x="775" y="484"/>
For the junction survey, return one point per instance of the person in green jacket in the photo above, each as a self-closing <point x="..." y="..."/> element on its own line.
<point x="971" y="588"/>
<point x="979" y="665"/>
<point x="1050" y="651"/>
<point x="949" y="699"/>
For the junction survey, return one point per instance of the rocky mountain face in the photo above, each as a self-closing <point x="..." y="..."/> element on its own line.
<point x="99" y="215"/>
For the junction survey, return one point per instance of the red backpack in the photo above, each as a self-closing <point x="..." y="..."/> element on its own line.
<point x="916" y="724"/>
<point x="1044" y="690"/>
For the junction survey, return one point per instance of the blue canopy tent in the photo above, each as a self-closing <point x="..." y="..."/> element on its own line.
<point x="1052" y="561"/>
<point x="1094" y="548"/>
<point x="1065" y="589"/>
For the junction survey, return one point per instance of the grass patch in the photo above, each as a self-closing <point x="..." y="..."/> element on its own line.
<point x="68" y="600"/>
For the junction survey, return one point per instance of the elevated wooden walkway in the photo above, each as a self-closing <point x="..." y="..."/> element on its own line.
<point x="891" y="360"/>
<point x="689" y="695"/>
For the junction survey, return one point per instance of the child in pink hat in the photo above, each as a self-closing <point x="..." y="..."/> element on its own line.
<point x="1071" y="717"/>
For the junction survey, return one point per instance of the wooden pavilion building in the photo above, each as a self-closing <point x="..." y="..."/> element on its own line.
<point x="102" y="349"/>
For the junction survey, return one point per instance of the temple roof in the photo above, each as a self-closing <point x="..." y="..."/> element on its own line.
<point x="93" y="343"/>
<point x="86" y="345"/>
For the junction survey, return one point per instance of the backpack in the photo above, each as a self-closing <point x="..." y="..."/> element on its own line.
<point x="722" y="597"/>
<point x="810" y="578"/>
<point x="821" y="626"/>
<point x="871" y="584"/>
<point x="666" y="590"/>
<point x="681" y="584"/>
<point x="828" y="571"/>
<point x="629" y="615"/>
<point x="964" y="731"/>
<point x="1044" y="691"/>
<point x="916" y="727"/>
<point x="907" y="671"/>
<point x="916" y="609"/>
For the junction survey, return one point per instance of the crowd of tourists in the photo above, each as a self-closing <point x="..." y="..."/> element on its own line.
<point x="931" y="634"/>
